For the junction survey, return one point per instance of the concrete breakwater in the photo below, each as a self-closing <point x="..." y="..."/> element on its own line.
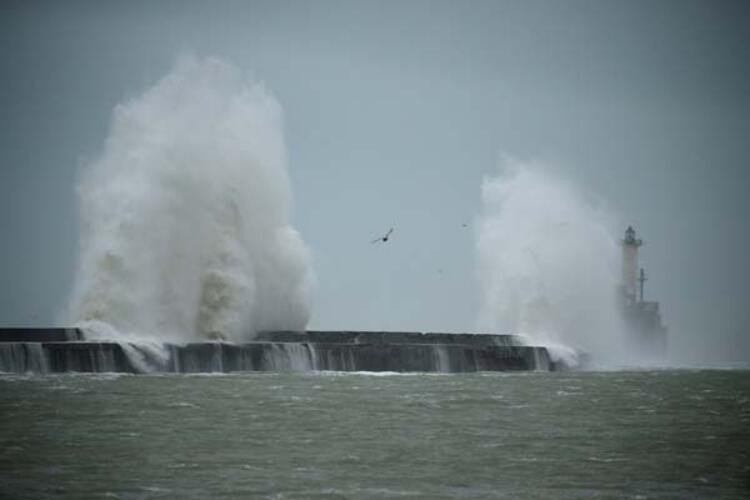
<point x="43" y="351"/>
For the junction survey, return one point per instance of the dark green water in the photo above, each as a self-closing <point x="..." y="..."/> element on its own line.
<point x="673" y="434"/>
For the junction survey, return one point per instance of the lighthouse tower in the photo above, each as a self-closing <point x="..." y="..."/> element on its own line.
<point x="642" y="318"/>
<point x="630" y="245"/>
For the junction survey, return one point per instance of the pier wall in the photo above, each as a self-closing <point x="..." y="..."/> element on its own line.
<point x="22" y="352"/>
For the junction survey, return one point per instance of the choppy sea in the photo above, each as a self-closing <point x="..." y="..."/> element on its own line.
<point x="623" y="434"/>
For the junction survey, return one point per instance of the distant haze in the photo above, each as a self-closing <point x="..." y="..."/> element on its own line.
<point x="394" y="113"/>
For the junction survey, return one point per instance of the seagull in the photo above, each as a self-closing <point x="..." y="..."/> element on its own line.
<point x="383" y="239"/>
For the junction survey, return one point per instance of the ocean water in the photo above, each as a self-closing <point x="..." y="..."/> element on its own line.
<point x="641" y="434"/>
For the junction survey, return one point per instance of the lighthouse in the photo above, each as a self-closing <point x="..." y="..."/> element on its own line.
<point x="630" y="245"/>
<point x="642" y="318"/>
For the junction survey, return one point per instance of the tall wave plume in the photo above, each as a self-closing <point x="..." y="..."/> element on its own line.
<point x="548" y="263"/>
<point x="185" y="216"/>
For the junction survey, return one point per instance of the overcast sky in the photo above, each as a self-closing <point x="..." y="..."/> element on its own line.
<point x="394" y="111"/>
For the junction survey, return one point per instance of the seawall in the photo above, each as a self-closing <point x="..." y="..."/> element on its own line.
<point x="63" y="350"/>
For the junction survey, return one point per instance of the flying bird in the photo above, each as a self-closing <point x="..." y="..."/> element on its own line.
<point x="383" y="239"/>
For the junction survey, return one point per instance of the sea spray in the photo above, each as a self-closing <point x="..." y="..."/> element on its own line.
<point x="185" y="215"/>
<point x="548" y="264"/>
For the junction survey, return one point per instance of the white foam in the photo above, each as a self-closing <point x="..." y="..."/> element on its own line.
<point x="548" y="263"/>
<point x="185" y="215"/>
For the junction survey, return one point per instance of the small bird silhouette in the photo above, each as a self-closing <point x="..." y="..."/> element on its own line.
<point x="383" y="239"/>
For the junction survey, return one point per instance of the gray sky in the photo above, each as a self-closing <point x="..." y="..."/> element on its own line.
<point x="394" y="111"/>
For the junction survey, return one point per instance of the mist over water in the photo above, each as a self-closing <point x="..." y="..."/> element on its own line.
<point x="185" y="216"/>
<point x="548" y="263"/>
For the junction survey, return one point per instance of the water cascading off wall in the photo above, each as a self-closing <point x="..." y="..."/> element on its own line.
<point x="185" y="215"/>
